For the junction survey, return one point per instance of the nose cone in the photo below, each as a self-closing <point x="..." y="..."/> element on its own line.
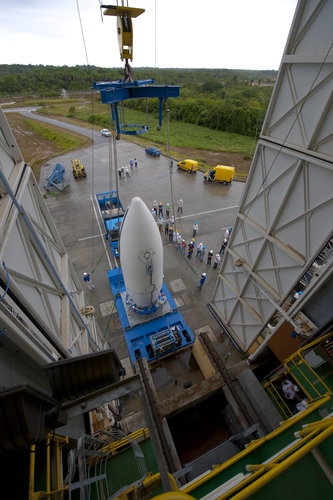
<point x="141" y="254"/>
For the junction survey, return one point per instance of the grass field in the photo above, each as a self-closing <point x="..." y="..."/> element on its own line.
<point x="182" y="135"/>
<point x="209" y="147"/>
<point x="65" y="141"/>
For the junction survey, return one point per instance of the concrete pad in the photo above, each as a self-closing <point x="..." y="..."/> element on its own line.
<point x="107" y="308"/>
<point x="177" y="285"/>
<point x="179" y="301"/>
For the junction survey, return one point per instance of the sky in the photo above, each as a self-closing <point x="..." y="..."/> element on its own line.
<point x="233" y="34"/>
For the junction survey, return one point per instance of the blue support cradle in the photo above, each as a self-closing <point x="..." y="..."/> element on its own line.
<point x="118" y="91"/>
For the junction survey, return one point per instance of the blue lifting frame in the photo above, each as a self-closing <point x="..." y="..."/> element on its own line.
<point x="118" y="91"/>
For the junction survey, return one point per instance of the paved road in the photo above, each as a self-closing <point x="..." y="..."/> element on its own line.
<point x="88" y="132"/>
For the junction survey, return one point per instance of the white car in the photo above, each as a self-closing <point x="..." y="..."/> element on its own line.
<point x="105" y="132"/>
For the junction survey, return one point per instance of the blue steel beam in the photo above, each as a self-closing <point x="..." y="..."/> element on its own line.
<point x="114" y="95"/>
<point x="117" y="91"/>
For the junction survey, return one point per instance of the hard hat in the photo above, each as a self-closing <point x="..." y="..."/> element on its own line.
<point x="160" y="203"/>
<point x="193" y="239"/>
<point x="211" y="251"/>
<point x="195" y="223"/>
<point x="230" y="229"/>
<point x="203" y="247"/>
<point x="203" y="274"/>
<point x="85" y="274"/>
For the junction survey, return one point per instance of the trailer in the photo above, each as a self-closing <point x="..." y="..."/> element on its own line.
<point x="112" y="212"/>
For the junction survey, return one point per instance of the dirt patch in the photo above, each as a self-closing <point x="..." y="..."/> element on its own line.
<point x="35" y="148"/>
<point x="209" y="159"/>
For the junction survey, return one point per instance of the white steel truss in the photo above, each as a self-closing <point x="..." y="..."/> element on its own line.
<point x="41" y="297"/>
<point x="285" y="217"/>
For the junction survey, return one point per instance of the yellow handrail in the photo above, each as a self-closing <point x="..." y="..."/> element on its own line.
<point x="115" y="445"/>
<point x="35" y="495"/>
<point x="279" y="468"/>
<point x="255" y="444"/>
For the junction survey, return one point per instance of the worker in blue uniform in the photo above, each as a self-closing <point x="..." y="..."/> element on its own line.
<point x="202" y="280"/>
<point x="86" y="278"/>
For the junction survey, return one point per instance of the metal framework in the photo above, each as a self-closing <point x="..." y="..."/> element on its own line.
<point x="42" y="298"/>
<point x="284" y="222"/>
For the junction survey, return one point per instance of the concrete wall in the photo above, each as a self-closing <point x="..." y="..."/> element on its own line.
<point x="204" y="362"/>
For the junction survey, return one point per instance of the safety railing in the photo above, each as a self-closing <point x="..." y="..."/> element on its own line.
<point x="54" y="483"/>
<point x="305" y="376"/>
<point x="272" y="391"/>
<point x="120" y="444"/>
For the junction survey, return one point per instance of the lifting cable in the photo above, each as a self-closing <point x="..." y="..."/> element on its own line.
<point x="92" y="136"/>
<point x="167" y="112"/>
<point x="115" y="165"/>
<point x="92" y="167"/>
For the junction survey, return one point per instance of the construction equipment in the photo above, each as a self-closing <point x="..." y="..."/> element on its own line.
<point x="57" y="179"/>
<point x="78" y="169"/>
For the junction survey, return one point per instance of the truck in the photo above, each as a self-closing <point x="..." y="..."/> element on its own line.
<point x="112" y="212"/>
<point x="220" y="173"/>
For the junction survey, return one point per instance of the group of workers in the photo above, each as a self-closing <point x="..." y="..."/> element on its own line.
<point x="124" y="171"/>
<point x="158" y="213"/>
<point x="175" y="238"/>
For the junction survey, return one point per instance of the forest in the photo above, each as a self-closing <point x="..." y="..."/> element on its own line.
<point x="221" y="99"/>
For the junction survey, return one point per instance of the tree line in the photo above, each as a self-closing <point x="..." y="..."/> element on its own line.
<point x="222" y="99"/>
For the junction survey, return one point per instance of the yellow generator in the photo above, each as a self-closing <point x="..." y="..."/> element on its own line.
<point x="78" y="169"/>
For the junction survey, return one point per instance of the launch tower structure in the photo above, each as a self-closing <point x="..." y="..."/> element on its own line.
<point x="281" y="241"/>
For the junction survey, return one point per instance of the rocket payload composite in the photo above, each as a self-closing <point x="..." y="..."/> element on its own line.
<point x="141" y="257"/>
<point x="152" y="325"/>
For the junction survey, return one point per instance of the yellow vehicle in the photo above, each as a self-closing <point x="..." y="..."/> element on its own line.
<point x="78" y="169"/>
<point x="220" y="173"/>
<point x="188" y="165"/>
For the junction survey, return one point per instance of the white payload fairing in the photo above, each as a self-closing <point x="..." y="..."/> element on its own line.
<point x="141" y="256"/>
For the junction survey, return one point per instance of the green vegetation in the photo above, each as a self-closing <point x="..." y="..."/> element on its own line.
<point x="233" y="101"/>
<point x="49" y="80"/>
<point x="183" y="135"/>
<point x="63" y="140"/>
